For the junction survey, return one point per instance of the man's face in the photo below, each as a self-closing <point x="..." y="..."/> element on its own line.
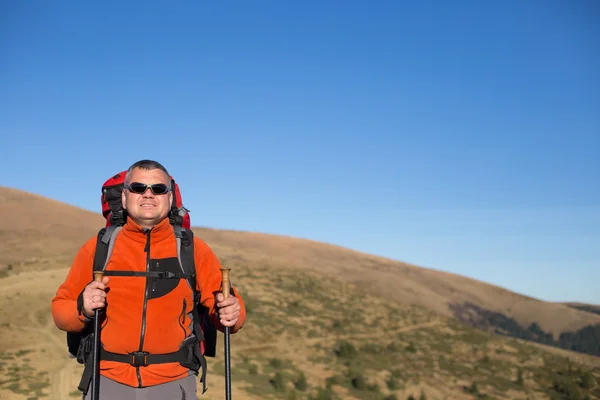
<point x="147" y="209"/>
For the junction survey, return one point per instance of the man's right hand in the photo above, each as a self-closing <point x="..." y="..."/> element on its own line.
<point x="94" y="297"/>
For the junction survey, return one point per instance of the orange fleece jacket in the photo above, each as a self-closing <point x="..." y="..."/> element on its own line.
<point x="167" y="312"/>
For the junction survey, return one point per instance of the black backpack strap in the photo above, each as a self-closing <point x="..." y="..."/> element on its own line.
<point x="104" y="246"/>
<point x="143" y="359"/>
<point x="187" y="355"/>
<point x="185" y="254"/>
<point x="149" y="274"/>
<point x="204" y="328"/>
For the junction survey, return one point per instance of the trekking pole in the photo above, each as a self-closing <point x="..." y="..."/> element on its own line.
<point x="226" y="288"/>
<point x="96" y="349"/>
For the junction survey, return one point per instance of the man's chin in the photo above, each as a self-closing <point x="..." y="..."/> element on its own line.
<point x="147" y="220"/>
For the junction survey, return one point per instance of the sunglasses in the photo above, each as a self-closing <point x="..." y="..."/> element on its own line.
<point x="140" y="188"/>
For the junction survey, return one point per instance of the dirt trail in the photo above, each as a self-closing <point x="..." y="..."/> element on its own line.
<point x="282" y="342"/>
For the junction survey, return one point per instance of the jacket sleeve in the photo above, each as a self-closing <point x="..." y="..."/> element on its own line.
<point x="208" y="281"/>
<point x="64" y="304"/>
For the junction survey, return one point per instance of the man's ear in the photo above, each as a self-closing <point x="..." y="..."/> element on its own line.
<point x="124" y="199"/>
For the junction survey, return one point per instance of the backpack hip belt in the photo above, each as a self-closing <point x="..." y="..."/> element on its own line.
<point x="189" y="356"/>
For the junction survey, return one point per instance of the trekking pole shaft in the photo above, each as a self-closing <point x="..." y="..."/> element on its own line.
<point x="96" y="349"/>
<point x="226" y="288"/>
<point x="227" y="366"/>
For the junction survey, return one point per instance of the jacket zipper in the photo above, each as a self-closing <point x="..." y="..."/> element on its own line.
<point x="143" y="332"/>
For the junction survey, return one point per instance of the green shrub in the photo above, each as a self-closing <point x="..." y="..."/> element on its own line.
<point x="567" y="388"/>
<point x="332" y="380"/>
<point x="278" y="382"/>
<point x="359" y="382"/>
<point x="473" y="389"/>
<point x="587" y="380"/>
<point x="520" y="381"/>
<point x="300" y="383"/>
<point x="392" y="382"/>
<point x="346" y="350"/>
<point x="324" y="394"/>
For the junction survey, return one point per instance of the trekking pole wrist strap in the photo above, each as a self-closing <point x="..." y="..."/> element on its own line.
<point x="80" y="308"/>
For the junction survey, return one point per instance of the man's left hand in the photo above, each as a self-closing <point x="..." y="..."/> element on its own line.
<point x="229" y="309"/>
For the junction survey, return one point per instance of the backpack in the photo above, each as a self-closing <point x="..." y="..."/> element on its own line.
<point x="204" y="334"/>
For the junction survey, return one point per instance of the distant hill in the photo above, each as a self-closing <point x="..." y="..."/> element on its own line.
<point x="585" y="307"/>
<point x="34" y="227"/>
<point x="324" y="322"/>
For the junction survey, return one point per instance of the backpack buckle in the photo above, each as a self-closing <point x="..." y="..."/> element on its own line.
<point x="168" y="275"/>
<point x="139" y="359"/>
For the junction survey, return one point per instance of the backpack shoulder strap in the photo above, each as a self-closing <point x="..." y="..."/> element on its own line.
<point x="104" y="246"/>
<point x="203" y="326"/>
<point x="185" y="253"/>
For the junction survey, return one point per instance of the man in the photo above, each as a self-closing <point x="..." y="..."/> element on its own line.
<point x="144" y="314"/>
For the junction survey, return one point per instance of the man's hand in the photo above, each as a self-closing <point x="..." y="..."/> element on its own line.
<point x="94" y="297"/>
<point x="229" y="309"/>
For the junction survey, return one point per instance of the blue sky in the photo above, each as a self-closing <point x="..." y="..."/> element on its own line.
<point x="462" y="136"/>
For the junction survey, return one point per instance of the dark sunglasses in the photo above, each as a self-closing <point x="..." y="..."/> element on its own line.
<point x="140" y="188"/>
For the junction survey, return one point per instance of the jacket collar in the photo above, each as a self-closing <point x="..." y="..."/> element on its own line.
<point x="159" y="232"/>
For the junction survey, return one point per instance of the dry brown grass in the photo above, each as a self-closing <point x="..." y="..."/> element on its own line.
<point x="403" y="282"/>
<point x="33" y="227"/>
<point x="289" y="320"/>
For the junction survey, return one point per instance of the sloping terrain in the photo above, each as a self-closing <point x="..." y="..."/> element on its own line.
<point x="34" y="227"/>
<point x="585" y="307"/>
<point x="324" y="321"/>
<point x="52" y="228"/>
<point x="309" y="338"/>
<point x="438" y="291"/>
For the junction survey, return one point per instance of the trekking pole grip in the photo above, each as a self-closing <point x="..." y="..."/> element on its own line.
<point x="226" y="284"/>
<point x="98" y="276"/>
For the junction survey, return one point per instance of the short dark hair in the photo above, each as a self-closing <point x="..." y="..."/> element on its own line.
<point x="147" y="165"/>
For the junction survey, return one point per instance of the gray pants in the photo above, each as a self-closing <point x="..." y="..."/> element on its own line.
<point x="181" y="389"/>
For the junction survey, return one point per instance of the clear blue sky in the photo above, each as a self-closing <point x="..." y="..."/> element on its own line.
<point x="462" y="136"/>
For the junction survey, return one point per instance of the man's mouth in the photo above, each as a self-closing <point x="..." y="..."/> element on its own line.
<point x="146" y="205"/>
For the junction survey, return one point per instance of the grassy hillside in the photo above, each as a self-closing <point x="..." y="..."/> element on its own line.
<point x="438" y="291"/>
<point x="337" y="340"/>
<point x="310" y="338"/>
<point x="586" y="307"/>
<point x="36" y="229"/>
<point x="323" y="321"/>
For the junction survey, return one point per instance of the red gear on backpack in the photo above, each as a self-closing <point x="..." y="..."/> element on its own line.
<point x="112" y="206"/>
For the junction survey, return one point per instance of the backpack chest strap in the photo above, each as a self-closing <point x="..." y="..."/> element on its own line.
<point x="152" y="274"/>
